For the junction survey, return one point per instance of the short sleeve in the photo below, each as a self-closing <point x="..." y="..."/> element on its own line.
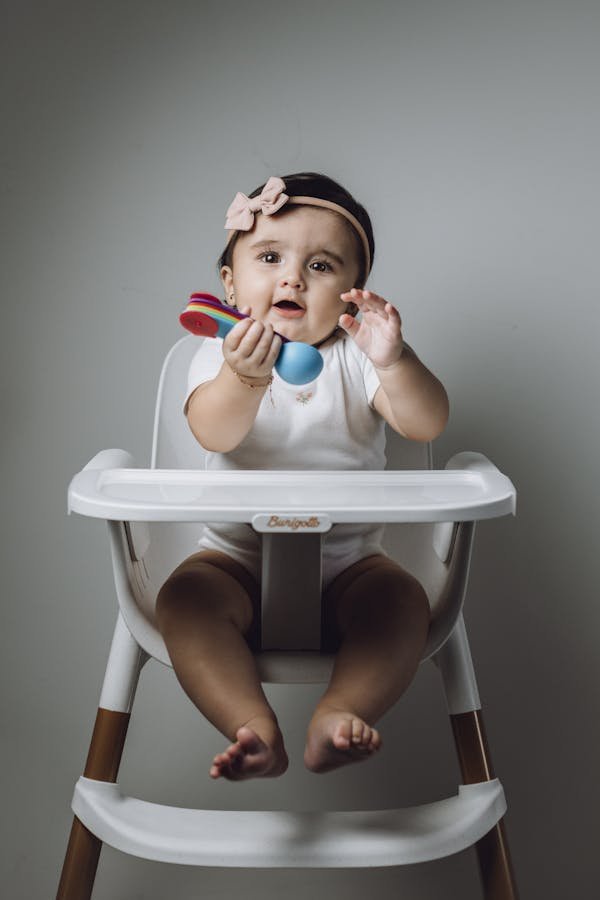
<point x="204" y="366"/>
<point x="370" y="378"/>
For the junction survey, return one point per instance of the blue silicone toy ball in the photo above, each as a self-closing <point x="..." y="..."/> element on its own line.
<point x="298" y="363"/>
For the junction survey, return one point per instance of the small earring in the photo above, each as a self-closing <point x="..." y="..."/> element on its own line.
<point x="231" y="299"/>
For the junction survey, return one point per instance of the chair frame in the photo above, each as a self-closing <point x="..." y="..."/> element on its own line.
<point x="136" y="640"/>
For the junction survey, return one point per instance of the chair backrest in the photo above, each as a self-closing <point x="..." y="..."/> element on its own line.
<point x="173" y="444"/>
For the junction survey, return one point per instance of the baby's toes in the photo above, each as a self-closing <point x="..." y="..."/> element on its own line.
<point x="233" y="755"/>
<point x="342" y="737"/>
<point x="219" y="760"/>
<point x="218" y="764"/>
<point x="375" y="741"/>
<point x="227" y="758"/>
<point x="361" y="734"/>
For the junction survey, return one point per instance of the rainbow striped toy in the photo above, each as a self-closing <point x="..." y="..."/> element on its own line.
<point x="207" y="316"/>
<point x="204" y="315"/>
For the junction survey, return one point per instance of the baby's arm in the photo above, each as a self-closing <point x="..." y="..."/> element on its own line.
<point x="411" y="399"/>
<point x="221" y="412"/>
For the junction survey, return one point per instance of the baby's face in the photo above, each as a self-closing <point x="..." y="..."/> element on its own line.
<point x="291" y="268"/>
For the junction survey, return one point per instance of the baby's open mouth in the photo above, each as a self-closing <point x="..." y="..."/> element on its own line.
<point x="288" y="304"/>
<point x="289" y="309"/>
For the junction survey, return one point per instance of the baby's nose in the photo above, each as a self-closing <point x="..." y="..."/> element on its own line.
<point x="292" y="280"/>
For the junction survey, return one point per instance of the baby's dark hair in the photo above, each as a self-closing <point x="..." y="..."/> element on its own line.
<point x="312" y="184"/>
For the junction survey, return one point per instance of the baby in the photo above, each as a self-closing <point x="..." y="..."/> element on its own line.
<point x="298" y="254"/>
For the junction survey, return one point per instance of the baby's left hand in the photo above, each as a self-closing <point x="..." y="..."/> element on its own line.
<point x="379" y="333"/>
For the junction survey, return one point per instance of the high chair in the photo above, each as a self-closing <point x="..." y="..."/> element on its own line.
<point x="291" y="510"/>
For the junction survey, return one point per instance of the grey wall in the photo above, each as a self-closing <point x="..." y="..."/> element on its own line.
<point x="471" y="132"/>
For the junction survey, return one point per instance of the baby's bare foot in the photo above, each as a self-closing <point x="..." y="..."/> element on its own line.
<point x="251" y="756"/>
<point x="336" y="738"/>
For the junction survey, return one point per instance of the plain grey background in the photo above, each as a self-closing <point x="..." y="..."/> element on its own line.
<point x="471" y="132"/>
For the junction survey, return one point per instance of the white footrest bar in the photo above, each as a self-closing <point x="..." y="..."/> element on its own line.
<point x="285" y="839"/>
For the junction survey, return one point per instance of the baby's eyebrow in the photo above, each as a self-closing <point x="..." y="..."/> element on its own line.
<point x="268" y="243"/>
<point x="333" y="255"/>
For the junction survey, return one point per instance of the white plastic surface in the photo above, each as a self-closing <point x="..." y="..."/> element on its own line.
<point x="286" y="839"/>
<point x="125" y="662"/>
<point x="475" y="490"/>
<point x="458" y="675"/>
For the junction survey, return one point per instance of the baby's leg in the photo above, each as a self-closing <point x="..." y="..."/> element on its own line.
<point x="379" y="616"/>
<point x="203" y="611"/>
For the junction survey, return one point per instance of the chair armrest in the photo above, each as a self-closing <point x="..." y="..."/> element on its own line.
<point x="106" y="459"/>
<point x="111" y="459"/>
<point x="444" y="533"/>
<point x="469" y="460"/>
<point x="136" y="533"/>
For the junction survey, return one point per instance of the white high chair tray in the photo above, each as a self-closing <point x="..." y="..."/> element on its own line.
<point x="476" y="490"/>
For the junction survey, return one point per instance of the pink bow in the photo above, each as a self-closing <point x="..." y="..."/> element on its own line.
<point x="240" y="215"/>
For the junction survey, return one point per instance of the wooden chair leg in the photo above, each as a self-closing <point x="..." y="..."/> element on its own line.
<point x="83" y="850"/>
<point x="475" y="763"/>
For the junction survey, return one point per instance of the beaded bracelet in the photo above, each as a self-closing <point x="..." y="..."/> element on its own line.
<point x="252" y="384"/>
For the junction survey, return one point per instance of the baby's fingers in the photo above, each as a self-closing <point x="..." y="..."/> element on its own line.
<point x="252" y="338"/>
<point x="237" y="334"/>
<point x="366" y="301"/>
<point x="349" y="324"/>
<point x="274" y="350"/>
<point x="370" y="302"/>
<point x="257" y="347"/>
<point x="264" y="346"/>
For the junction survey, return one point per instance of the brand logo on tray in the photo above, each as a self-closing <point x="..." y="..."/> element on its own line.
<point x="293" y="524"/>
<point x="289" y="521"/>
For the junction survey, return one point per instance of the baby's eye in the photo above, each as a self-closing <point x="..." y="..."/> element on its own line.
<point x="324" y="266"/>
<point x="267" y="254"/>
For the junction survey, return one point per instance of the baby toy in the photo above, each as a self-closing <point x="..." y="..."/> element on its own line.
<point x="204" y="315"/>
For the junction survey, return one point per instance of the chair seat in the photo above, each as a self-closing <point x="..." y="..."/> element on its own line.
<point x="265" y="839"/>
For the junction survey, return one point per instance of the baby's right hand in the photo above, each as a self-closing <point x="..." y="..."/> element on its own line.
<point x="251" y="348"/>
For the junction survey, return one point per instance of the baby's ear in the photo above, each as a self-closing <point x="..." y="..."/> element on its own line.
<point x="226" y="274"/>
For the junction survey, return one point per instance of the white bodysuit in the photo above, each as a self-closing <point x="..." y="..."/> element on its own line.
<point x="328" y="424"/>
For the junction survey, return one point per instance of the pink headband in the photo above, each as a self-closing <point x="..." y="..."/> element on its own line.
<point x="240" y="215"/>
